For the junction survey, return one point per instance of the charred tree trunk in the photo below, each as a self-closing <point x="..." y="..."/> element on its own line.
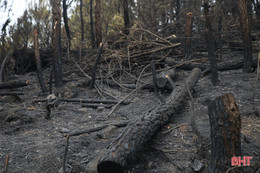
<point x="257" y="11"/>
<point x="210" y="45"/>
<point x="94" y="68"/>
<point x="220" y="35"/>
<point x="92" y="25"/>
<point x="138" y="132"/>
<point x="81" y="21"/>
<point x="65" y="18"/>
<point x="3" y="73"/>
<point x="98" y="23"/>
<point x="188" y="35"/>
<point x="178" y="10"/>
<point x="56" y="43"/>
<point x="225" y="127"/>
<point x="246" y="35"/>
<point x="126" y="17"/>
<point x="38" y="62"/>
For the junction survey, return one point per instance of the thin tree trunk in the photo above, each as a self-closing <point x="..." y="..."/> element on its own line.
<point x="246" y="35"/>
<point x="56" y="43"/>
<point x="98" y="23"/>
<point x="220" y="35"/>
<point x="81" y="21"/>
<point x="38" y="62"/>
<point x="65" y="18"/>
<point x="188" y="35"/>
<point x="178" y="9"/>
<point x="126" y="17"/>
<point x="92" y="25"/>
<point x="94" y="68"/>
<point x="210" y="45"/>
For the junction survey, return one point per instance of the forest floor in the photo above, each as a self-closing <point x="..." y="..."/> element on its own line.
<point x="37" y="145"/>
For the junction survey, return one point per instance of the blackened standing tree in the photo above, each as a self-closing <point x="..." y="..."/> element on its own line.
<point x="210" y="45"/>
<point x="188" y="35"/>
<point x="81" y="21"/>
<point x="126" y="17"/>
<point x="246" y="35"/>
<point x="98" y="23"/>
<point x="91" y="24"/>
<point x="65" y="18"/>
<point x="38" y="62"/>
<point x="56" y="42"/>
<point x="178" y="9"/>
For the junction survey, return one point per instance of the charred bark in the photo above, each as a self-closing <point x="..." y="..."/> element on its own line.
<point x="126" y="17"/>
<point x="178" y="9"/>
<point x="225" y="127"/>
<point x="83" y="101"/>
<point x="94" y="68"/>
<point x="65" y="18"/>
<point x="164" y="77"/>
<point x="232" y="65"/>
<point x="188" y="35"/>
<point x="56" y="43"/>
<point x="210" y="45"/>
<point x="246" y="35"/>
<point x="153" y="69"/>
<point x="13" y="84"/>
<point x="38" y="62"/>
<point x="141" y="130"/>
<point x="91" y="24"/>
<point x="81" y="20"/>
<point x="98" y="23"/>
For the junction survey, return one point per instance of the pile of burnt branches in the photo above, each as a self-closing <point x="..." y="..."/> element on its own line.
<point x="140" y="47"/>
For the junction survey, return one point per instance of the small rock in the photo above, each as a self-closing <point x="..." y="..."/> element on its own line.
<point x="198" y="166"/>
<point x="64" y="130"/>
<point x="83" y="110"/>
<point x="100" y="108"/>
<point x="104" y="134"/>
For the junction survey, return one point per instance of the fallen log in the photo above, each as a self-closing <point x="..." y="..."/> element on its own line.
<point x="83" y="101"/>
<point x="11" y="93"/>
<point x="232" y="65"/>
<point x="138" y="132"/>
<point x="13" y="84"/>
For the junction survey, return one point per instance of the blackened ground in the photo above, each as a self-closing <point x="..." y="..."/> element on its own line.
<point x="37" y="145"/>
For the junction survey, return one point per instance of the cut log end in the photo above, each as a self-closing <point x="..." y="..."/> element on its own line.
<point x="109" y="167"/>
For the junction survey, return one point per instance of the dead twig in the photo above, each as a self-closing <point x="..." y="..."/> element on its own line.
<point x="98" y="128"/>
<point x="6" y="163"/>
<point x="65" y="154"/>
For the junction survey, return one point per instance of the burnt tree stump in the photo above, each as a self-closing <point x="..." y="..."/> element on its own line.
<point x="163" y="81"/>
<point x="138" y="132"/>
<point x="225" y="126"/>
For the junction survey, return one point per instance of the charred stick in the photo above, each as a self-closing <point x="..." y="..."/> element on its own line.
<point x="11" y="93"/>
<point x="65" y="154"/>
<point x="6" y="163"/>
<point x="154" y="77"/>
<point x="84" y="101"/>
<point x="14" y="84"/>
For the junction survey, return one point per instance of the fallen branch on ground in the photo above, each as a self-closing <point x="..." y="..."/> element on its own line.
<point x="98" y="128"/>
<point x="13" y="84"/>
<point x="83" y="101"/>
